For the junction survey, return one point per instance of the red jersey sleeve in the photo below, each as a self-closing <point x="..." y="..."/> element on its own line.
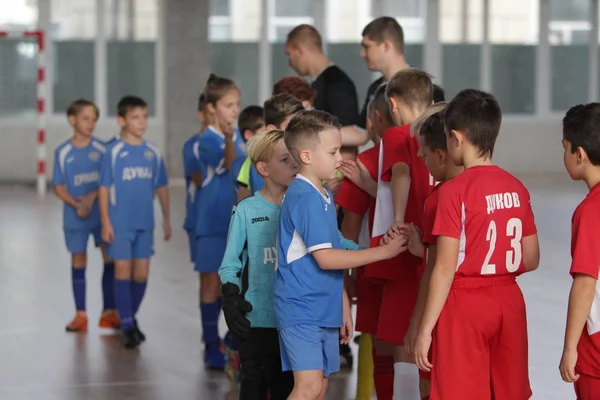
<point x="396" y="149"/>
<point x="431" y="205"/>
<point x="352" y="198"/>
<point x="448" y="216"/>
<point x="585" y="242"/>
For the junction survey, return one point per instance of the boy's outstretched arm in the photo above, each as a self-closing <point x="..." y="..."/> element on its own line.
<point x="582" y="295"/>
<point x="531" y="252"/>
<point x="347" y="259"/>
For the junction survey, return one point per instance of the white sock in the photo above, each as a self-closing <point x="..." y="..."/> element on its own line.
<point x="406" y="382"/>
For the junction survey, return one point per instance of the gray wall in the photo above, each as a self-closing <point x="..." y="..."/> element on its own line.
<point x="187" y="66"/>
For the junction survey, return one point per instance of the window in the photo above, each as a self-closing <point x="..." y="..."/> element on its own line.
<point x="398" y="8"/>
<point x="219" y="8"/>
<point x="294" y="8"/>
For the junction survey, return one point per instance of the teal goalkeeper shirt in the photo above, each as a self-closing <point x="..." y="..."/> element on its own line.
<point x="251" y="256"/>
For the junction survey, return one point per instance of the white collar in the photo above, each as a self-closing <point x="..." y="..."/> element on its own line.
<point x="326" y="198"/>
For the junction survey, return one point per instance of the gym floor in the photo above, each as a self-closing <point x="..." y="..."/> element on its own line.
<point x="42" y="361"/>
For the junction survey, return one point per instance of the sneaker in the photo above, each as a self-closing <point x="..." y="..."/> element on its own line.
<point x="130" y="339"/>
<point x="79" y="323"/>
<point x="232" y="358"/>
<point x="346" y="358"/>
<point x="140" y="334"/>
<point x="213" y="357"/>
<point x="109" y="320"/>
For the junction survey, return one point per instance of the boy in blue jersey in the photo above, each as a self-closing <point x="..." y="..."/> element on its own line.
<point x="218" y="148"/>
<point x="133" y="171"/>
<point x="193" y="178"/>
<point x="278" y="111"/>
<point x="312" y="308"/>
<point x="76" y="178"/>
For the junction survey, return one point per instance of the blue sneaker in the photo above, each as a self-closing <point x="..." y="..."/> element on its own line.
<point x="213" y="357"/>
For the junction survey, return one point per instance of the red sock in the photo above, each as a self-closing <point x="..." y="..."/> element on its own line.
<point x="383" y="371"/>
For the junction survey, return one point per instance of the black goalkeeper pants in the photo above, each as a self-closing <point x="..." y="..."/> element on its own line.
<point x="261" y="372"/>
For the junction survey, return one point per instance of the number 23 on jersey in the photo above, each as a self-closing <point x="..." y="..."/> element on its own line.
<point x="513" y="256"/>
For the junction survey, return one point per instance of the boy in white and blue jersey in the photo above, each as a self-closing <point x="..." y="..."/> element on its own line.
<point x="133" y="171"/>
<point x="192" y="168"/>
<point x="311" y="306"/>
<point x="218" y="147"/>
<point x="76" y="178"/>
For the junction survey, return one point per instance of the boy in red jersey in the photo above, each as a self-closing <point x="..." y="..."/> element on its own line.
<point x="581" y="354"/>
<point x="356" y="202"/>
<point x="404" y="183"/>
<point x="432" y="142"/>
<point x="486" y="236"/>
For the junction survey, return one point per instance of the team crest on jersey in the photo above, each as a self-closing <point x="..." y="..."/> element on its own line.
<point x="94" y="156"/>
<point x="149" y="154"/>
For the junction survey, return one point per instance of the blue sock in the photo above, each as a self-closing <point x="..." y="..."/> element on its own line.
<point x="123" y="301"/>
<point x="108" y="286"/>
<point x="78" y="281"/>
<point x="138" y="289"/>
<point x="209" y="313"/>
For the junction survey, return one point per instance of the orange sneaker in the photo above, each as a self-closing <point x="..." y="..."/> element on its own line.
<point x="79" y="323"/>
<point x="109" y="319"/>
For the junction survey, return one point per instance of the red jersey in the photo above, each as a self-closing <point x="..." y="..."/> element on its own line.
<point x="489" y="211"/>
<point x="585" y="251"/>
<point x="398" y="146"/>
<point x="429" y="238"/>
<point x="352" y="198"/>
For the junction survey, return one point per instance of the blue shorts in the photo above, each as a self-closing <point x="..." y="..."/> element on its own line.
<point x="209" y="253"/>
<point x="132" y="244"/>
<point x="77" y="239"/>
<point x="310" y="348"/>
<point x="192" y="242"/>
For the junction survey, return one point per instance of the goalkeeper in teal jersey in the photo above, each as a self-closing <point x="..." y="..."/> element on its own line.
<point x="248" y="269"/>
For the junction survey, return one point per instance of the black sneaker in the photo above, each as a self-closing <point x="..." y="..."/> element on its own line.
<point x="346" y="358"/>
<point x="140" y="334"/>
<point x="130" y="339"/>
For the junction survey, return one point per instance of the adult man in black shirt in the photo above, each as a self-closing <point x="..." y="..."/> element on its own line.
<point x="383" y="51"/>
<point x="336" y="92"/>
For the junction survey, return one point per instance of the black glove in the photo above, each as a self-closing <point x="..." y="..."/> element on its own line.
<point x="235" y="308"/>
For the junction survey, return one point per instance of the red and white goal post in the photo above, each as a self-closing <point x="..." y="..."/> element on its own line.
<point x="42" y="92"/>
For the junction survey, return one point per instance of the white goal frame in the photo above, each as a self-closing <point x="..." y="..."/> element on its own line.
<point x="42" y="112"/>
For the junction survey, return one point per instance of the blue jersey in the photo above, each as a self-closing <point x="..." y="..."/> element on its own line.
<point x="218" y="193"/>
<point x="251" y="256"/>
<point x="303" y="292"/>
<point x="78" y="169"/>
<point x="132" y="173"/>
<point x="191" y="164"/>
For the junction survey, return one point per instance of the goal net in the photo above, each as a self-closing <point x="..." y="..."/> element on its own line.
<point x="23" y="107"/>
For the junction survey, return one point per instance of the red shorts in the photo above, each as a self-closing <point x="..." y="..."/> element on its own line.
<point x="479" y="347"/>
<point x="397" y="304"/>
<point x="587" y="388"/>
<point x="368" y="303"/>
